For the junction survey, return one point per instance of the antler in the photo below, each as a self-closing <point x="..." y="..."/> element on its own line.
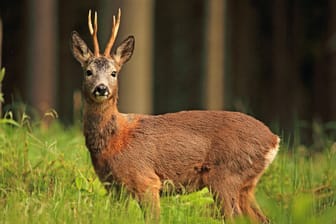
<point x="114" y="32"/>
<point x="93" y="32"/>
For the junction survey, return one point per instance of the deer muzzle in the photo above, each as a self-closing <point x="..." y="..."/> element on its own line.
<point x="101" y="92"/>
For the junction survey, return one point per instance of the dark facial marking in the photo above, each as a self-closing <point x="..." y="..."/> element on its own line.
<point x="101" y="63"/>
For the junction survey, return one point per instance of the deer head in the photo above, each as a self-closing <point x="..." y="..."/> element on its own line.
<point x="101" y="71"/>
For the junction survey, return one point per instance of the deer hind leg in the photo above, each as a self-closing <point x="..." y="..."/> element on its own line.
<point x="249" y="205"/>
<point x="229" y="204"/>
<point x="226" y="196"/>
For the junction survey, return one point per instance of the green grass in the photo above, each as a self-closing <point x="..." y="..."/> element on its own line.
<point x="46" y="176"/>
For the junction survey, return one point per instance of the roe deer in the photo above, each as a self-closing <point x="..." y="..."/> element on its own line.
<point x="224" y="151"/>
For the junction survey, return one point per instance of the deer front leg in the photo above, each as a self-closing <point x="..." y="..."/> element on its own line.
<point x="148" y="195"/>
<point x="150" y="205"/>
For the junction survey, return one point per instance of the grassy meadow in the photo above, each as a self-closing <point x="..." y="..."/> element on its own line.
<point x="46" y="176"/>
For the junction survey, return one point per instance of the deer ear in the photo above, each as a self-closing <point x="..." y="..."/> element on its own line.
<point x="124" y="50"/>
<point x="79" y="49"/>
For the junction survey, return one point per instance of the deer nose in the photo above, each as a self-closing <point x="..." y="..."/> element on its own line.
<point x="101" y="90"/>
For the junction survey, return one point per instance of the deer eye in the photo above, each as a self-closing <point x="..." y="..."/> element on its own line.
<point x="88" y="72"/>
<point x="114" y="74"/>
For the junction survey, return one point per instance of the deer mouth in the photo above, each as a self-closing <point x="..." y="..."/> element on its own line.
<point x="101" y="93"/>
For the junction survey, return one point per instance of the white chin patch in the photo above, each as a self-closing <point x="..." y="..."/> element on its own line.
<point x="100" y="98"/>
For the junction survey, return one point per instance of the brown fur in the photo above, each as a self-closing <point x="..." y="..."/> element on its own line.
<point x="224" y="151"/>
<point x="220" y="150"/>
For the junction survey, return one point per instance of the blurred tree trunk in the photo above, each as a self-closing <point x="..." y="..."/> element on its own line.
<point x="69" y="69"/>
<point x="72" y="16"/>
<point x="42" y="61"/>
<point x="215" y="39"/>
<point x="280" y="59"/>
<point x="135" y="80"/>
<point x="245" y="54"/>
<point x="289" y="101"/>
<point x="15" y="53"/>
<point x="179" y="55"/>
<point x="282" y="101"/>
<point x="331" y="41"/>
<point x="1" y="35"/>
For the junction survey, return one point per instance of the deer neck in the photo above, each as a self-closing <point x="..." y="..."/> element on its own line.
<point x="100" y="124"/>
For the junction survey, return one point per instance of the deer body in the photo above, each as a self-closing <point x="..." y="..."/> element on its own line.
<point x="224" y="151"/>
<point x="186" y="148"/>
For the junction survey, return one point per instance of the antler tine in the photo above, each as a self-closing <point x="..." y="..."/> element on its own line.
<point x="114" y="32"/>
<point x="93" y="32"/>
<point x="90" y="23"/>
